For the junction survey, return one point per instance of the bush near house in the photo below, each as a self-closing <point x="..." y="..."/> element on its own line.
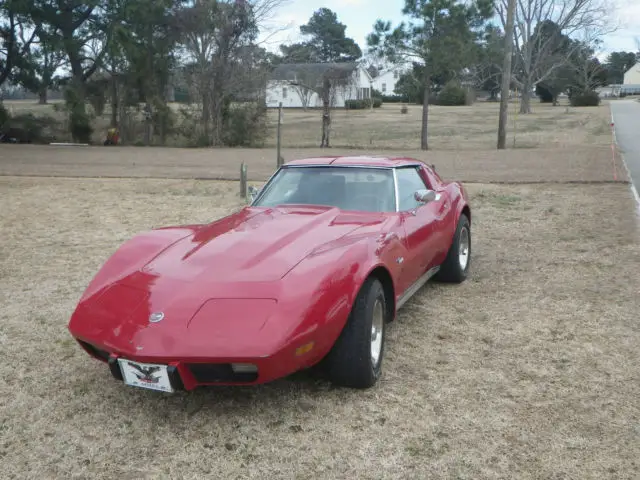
<point x="363" y="104"/>
<point x="394" y="99"/>
<point x="588" y="98"/>
<point x="452" y="94"/>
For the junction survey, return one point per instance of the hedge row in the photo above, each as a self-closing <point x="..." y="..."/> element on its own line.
<point x="363" y="104"/>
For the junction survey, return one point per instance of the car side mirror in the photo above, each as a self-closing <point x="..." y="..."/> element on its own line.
<point x="252" y="193"/>
<point x="425" y="196"/>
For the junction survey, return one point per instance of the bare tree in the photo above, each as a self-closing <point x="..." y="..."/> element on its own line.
<point x="537" y="53"/>
<point x="319" y="82"/>
<point x="219" y="39"/>
<point x="306" y="83"/>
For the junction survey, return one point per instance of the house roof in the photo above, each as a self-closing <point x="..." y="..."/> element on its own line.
<point x="635" y="65"/>
<point x="292" y="71"/>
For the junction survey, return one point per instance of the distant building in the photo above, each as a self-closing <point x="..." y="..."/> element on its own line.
<point x="631" y="84"/>
<point x="385" y="82"/>
<point x="296" y="84"/>
<point x="632" y="76"/>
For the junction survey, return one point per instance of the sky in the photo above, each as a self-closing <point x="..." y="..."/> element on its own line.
<point x="360" y="15"/>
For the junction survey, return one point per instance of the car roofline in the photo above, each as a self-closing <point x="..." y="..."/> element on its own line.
<point x="353" y="165"/>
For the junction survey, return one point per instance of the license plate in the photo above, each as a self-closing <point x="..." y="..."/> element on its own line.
<point x="145" y="375"/>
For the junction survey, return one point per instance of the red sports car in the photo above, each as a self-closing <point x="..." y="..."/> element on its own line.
<point x="311" y="272"/>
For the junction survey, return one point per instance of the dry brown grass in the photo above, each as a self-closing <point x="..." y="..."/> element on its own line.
<point x="561" y="147"/>
<point x="450" y="128"/>
<point x="528" y="370"/>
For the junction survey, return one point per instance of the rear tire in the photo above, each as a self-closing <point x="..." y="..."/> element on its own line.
<point x="455" y="267"/>
<point x="355" y="360"/>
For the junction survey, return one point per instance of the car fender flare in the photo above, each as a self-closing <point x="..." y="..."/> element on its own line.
<point x="380" y="270"/>
<point x="461" y="206"/>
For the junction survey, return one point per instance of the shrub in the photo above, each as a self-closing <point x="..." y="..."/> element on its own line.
<point x="452" y="95"/>
<point x="377" y="102"/>
<point x="588" y="98"/>
<point x="544" y="94"/>
<point x="164" y="121"/>
<point x="4" y="115"/>
<point x="246" y="125"/>
<point x="29" y="128"/>
<point x="79" y="121"/>
<point x="358" y="104"/>
<point x="80" y="125"/>
<point x="393" y="99"/>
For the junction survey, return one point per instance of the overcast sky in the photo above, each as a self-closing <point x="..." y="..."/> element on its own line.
<point x="360" y="15"/>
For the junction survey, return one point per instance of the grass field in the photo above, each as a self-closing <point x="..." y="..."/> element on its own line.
<point x="528" y="370"/>
<point x="450" y="128"/>
<point x="551" y="145"/>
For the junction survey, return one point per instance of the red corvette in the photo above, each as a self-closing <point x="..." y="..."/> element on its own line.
<point x="310" y="272"/>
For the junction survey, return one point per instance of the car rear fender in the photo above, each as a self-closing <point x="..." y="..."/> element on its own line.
<point x="460" y="206"/>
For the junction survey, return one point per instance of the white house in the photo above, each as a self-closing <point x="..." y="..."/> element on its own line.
<point x="632" y="76"/>
<point x="631" y="85"/>
<point x="296" y="85"/>
<point x="385" y="82"/>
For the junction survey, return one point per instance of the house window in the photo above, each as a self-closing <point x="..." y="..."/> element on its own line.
<point x="395" y="74"/>
<point x="384" y="87"/>
<point x="284" y="92"/>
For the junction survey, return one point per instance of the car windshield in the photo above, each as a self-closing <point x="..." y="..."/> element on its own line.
<point x="348" y="188"/>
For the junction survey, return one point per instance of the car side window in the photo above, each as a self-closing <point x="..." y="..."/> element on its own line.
<point x="409" y="181"/>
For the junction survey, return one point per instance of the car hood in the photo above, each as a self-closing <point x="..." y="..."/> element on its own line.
<point x="218" y="282"/>
<point x="255" y="245"/>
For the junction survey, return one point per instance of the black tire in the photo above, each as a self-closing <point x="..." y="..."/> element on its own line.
<point x="451" y="271"/>
<point x="350" y="363"/>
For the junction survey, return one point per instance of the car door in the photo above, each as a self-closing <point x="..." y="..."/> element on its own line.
<point x="441" y="209"/>
<point x="418" y="226"/>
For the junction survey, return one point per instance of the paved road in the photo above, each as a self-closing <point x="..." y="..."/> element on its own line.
<point x="626" y="116"/>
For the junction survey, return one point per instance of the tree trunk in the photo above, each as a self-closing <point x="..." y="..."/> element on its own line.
<point x="148" y="133"/>
<point x="525" y="103"/>
<point x="217" y="110"/>
<point x="505" y="86"/>
<point x="326" y="114"/>
<point x="424" y="141"/>
<point x="114" y="102"/>
<point x="42" y="96"/>
<point x="206" y="115"/>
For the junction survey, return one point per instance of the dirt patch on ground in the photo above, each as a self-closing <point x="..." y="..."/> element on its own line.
<point x="514" y="165"/>
<point x="528" y="370"/>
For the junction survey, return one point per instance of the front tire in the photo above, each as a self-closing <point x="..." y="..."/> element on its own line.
<point x="455" y="267"/>
<point x="355" y="360"/>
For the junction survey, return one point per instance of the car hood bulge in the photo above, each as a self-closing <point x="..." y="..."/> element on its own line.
<point x="254" y="244"/>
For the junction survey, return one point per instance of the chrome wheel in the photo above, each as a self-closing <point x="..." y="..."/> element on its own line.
<point x="377" y="324"/>
<point x="463" y="248"/>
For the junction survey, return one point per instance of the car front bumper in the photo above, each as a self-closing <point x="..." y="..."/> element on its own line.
<point x="188" y="374"/>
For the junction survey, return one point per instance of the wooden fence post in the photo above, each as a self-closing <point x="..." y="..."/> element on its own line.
<point x="243" y="180"/>
<point x="279" y="158"/>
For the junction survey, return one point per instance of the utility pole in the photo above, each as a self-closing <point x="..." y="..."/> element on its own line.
<point x="506" y="75"/>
